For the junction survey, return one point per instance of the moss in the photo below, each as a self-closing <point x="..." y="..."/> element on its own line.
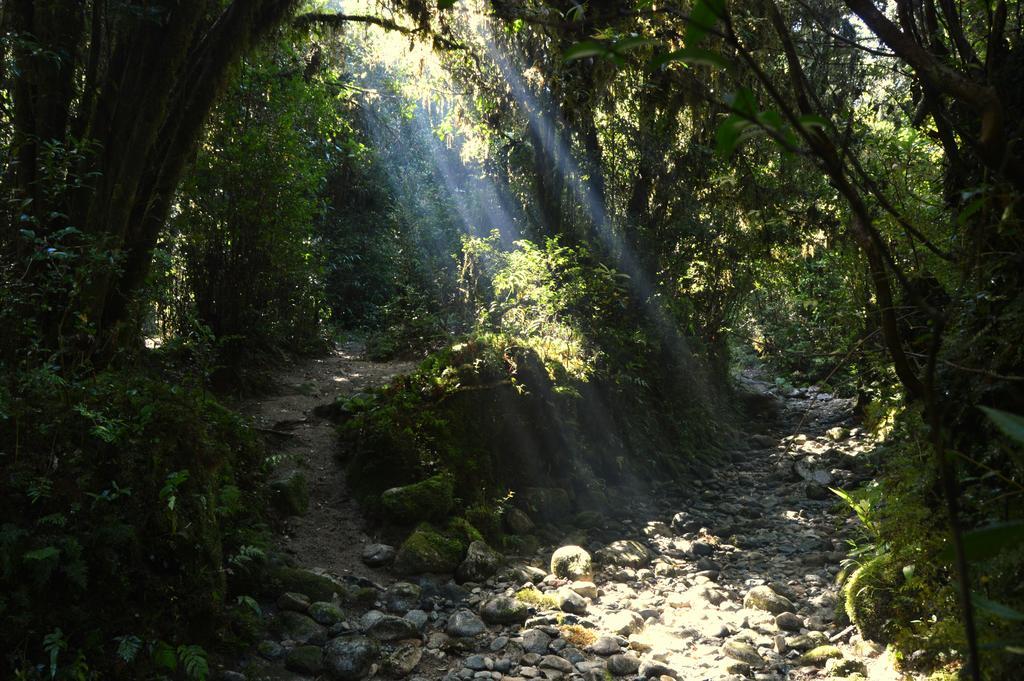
<point x="488" y="521"/>
<point x="537" y="598"/>
<point x="578" y="636"/>
<point x="820" y="655"/>
<point x="429" y="499"/>
<point x="869" y="597"/>
<point x="463" y="530"/>
<point x="429" y="550"/>
<point x="290" y="494"/>
<point x="316" y="587"/>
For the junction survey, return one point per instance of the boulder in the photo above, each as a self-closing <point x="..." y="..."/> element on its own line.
<point x="516" y="521"/>
<point x="402" y="660"/>
<point x="305" y="660"/>
<point x="392" y="628"/>
<point x="504" y="610"/>
<point x="401" y="597"/>
<point x="464" y="624"/>
<point x="300" y="628"/>
<point x="430" y="499"/>
<point x="428" y="550"/>
<point x="764" y="598"/>
<point x="625" y="553"/>
<point x="378" y="555"/>
<point x="480" y="563"/>
<point x="349" y="658"/>
<point x="326" y="613"/>
<point x="572" y="562"/>
<point x="623" y="665"/>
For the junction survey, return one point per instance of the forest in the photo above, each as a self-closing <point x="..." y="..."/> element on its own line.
<point x="511" y="339"/>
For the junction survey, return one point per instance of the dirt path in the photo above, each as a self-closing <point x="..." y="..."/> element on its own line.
<point x="329" y="535"/>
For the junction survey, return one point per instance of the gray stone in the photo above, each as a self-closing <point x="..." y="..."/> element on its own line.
<point x="291" y="600"/>
<point x="816" y="491"/>
<point x="464" y="624"/>
<point x="300" y="628"/>
<point x="326" y="613"/>
<point x="402" y="660"/>
<point x="585" y="589"/>
<point x="504" y="610"/>
<point x="535" y="641"/>
<point x="481" y="562"/>
<point x="764" y="598"/>
<point x="304" y="660"/>
<point x="570" y="601"/>
<point x="393" y="628"/>
<point x="788" y="621"/>
<point x="401" y="597"/>
<point x="606" y="645"/>
<point x="378" y="555"/>
<point x="559" y="664"/>
<point x="417" y="617"/>
<point x="478" y="663"/>
<point x="623" y="665"/>
<point x="349" y="658"/>
<point x="624" y="623"/>
<point x="743" y="652"/>
<point x="572" y="562"/>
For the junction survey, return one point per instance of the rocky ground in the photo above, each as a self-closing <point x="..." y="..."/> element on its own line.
<point x="731" y="577"/>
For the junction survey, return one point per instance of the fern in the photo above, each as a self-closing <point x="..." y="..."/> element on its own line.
<point x="128" y="647"/>
<point x="193" y="659"/>
<point x="53" y="644"/>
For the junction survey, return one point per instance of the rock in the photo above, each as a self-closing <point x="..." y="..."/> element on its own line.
<point x="572" y="562"/>
<point x="535" y="641"/>
<point x="228" y="675"/>
<point x="547" y="504"/>
<point x="788" y="621"/>
<point x="300" y="628"/>
<point x="624" y="622"/>
<point x="820" y="655"/>
<point x="589" y="519"/>
<point x="479" y="663"/>
<point x="313" y="585"/>
<point x="804" y="642"/>
<point x="402" y="660"/>
<point x="270" y="650"/>
<point x="837" y="433"/>
<point x="743" y="652"/>
<point x="606" y="645"/>
<point x="417" y="617"/>
<point x="504" y="610"/>
<point x="305" y="660"/>
<point x="349" y="658"/>
<point x="498" y="644"/>
<point x="326" y="613"/>
<point x="464" y="624"/>
<point x="623" y="665"/>
<point x="764" y="598"/>
<point x="378" y="555"/>
<point x="289" y="494"/>
<point x="480" y="563"/>
<point x="559" y="664"/>
<point x="293" y="601"/>
<point x="625" y="553"/>
<point x="393" y="628"/>
<point x="570" y="601"/>
<point x="428" y="550"/>
<point x="809" y="470"/>
<point x="842" y="667"/>
<point x="516" y="521"/>
<point x="401" y="597"/>
<point x="429" y="499"/>
<point x="585" y="589"/>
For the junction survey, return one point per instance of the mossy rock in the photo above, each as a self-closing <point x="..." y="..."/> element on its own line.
<point x="820" y="655"/>
<point x="290" y="494"/>
<point x="316" y="587"/>
<point x="869" y="597"/>
<point x="429" y="550"/>
<point x="430" y="499"/>
<point x="463" y="530"/>
<point x="305" y="660"/>
<point x="549" y="504"/>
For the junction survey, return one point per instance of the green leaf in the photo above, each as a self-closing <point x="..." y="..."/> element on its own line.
<point x="691" y="55"/>
<point x="631" y="43"/>
<point x="730" y="133"/>
<point x="164" y="656"/>
<point x="445" y="4"/>
<point x="1012" y="425"/>
<point x="703" y="18"/>
<point x="44" y="553"/>
<point x="587" y="48"/>
<point x="986" y="542"/>
<point x="997" y="609"/>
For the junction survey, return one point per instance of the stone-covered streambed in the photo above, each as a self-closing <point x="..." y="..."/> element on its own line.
<point x="730" y="577"/>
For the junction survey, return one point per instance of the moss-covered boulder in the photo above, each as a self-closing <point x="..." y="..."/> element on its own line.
<point x="315" y="586"/>
<point x="427" y="549"/>
<point x="820" y="655"/>
<point x="290" y="494"/>
<point x="869" y="597"/>
<point x="572" y="562"/>
<point x="480" y="563"/>
<point x="305" y="660"/>
<point x="430" y="499"/>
